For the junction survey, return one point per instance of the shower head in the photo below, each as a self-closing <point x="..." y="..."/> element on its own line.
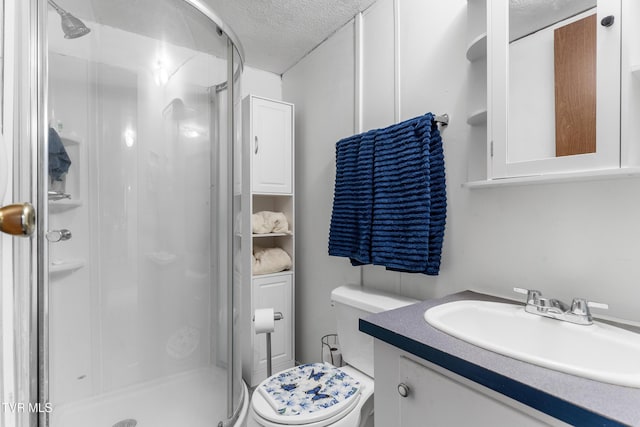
<point x="177" y="110"/>
<point x="72" y="26"/>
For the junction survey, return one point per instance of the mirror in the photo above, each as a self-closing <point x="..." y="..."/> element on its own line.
<point x="552" y="79"/>
<point x="554" y="86"/>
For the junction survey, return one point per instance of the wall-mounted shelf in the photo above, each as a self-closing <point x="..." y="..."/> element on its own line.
<point x="477" y="56"/>
<point x="477" y="117"/>
<point x="477" y="48"/>
<point x="68" y="265"/>
<point x="596" y="175"/>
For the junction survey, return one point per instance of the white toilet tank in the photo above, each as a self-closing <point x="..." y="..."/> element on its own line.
<point x="353" y="302"/>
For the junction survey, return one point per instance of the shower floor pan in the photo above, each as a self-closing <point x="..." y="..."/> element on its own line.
<point x="193" y="399"/>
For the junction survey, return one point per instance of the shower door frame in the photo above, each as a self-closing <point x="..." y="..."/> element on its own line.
<point x="33" y="361"/>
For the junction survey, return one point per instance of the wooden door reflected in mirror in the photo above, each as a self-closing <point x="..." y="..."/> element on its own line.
<point x="575" y="87"/>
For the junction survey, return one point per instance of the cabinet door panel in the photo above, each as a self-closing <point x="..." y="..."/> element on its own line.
<point x="522" y="128"/>
<point x="274" y="292"/>
<point x="272" y="147"/>
<point x="435" y="399"/>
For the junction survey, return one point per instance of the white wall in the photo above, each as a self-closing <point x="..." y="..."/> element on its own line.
<point x="261" y="83"/>
<point x="432" y="78"/>
<point x="322" y="88"/>
<point x="572" y="239"/>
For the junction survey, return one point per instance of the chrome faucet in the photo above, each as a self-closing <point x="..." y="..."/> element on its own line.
<point x="578" y="312"/>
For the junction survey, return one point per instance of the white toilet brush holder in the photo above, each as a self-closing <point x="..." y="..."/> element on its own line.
<point x="264" y="322"/>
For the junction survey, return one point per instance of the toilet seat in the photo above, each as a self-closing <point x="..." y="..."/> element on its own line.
<point x="264" y="413"/>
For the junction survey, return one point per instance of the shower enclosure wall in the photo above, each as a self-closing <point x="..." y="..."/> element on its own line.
<point x="135" y="292"/>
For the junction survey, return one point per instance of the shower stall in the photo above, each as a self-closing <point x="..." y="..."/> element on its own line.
<point x="134" y="119"/>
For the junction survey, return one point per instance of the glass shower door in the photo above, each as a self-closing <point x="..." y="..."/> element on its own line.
<point x="141" y="116"/>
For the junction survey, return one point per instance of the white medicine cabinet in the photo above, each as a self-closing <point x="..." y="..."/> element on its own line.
<point x="561" y="93"/>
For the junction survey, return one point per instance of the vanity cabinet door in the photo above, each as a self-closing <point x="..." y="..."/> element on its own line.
<point x="416" y="394"/>
<point x="445" y="402"/>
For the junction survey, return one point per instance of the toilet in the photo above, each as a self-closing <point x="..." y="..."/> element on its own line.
<point x="319" y="394"/>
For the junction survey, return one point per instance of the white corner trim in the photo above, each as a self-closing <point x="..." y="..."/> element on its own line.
<point x="396" y="61"/>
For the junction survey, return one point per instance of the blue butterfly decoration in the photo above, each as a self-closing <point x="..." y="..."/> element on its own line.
<point x="289" y="387"/>
<point x="314" y="390"/>
<point x="316" y="376"/>
<point x="317" y="395"/>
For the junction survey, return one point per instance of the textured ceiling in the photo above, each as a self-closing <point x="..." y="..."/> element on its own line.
<point x="528" y="16"/>
<point x="276" y="34"/>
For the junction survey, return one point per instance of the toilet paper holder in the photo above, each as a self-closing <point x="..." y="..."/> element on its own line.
<point x="276" y="316"/>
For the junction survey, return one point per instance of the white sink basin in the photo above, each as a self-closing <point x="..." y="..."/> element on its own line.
<point x="600" y="352"/>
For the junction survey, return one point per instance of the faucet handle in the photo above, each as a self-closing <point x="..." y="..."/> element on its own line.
<point x="533" y="296"/>
<point x="580" y="307"/>
<point x="601" y="305"/>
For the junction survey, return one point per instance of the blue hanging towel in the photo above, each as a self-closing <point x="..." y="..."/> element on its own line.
<point x="350" y="234"/>
<point x="390" y="197"/>
<point x="59" y="161"/>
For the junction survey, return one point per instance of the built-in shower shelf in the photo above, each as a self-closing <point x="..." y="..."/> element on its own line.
<point x="287" y="233"/>
<point x="63" y="205"/>
<point x="67" y="265"/>
<point x="66" y="140"/>
<point x="477" y="117"/>
<point x="477" y="48"/>
<point x="162" y="257"/>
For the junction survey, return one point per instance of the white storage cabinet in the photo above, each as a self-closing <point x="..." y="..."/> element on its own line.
<point x="267" y="185"/>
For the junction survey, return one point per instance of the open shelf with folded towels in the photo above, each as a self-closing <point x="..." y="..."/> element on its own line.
<point x="272" y="233"/>
<point x="268" y="260"/>
<point x="272" y="214"/>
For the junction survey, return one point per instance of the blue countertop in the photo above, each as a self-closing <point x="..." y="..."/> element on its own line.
<point x="574" y="400"/>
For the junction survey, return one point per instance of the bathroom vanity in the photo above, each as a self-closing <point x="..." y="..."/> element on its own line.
<point x="425" y="376"/>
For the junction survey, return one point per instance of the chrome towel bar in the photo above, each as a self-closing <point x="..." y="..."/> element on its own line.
<point x="443" y="119"/>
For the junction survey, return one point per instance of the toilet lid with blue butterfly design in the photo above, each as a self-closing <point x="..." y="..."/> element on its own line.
<point x="308" y="393"/>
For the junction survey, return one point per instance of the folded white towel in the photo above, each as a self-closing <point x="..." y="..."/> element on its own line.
<point x="270" y="260"/>
<point x="258" y="224"/>
<point x="269" y="222"/>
